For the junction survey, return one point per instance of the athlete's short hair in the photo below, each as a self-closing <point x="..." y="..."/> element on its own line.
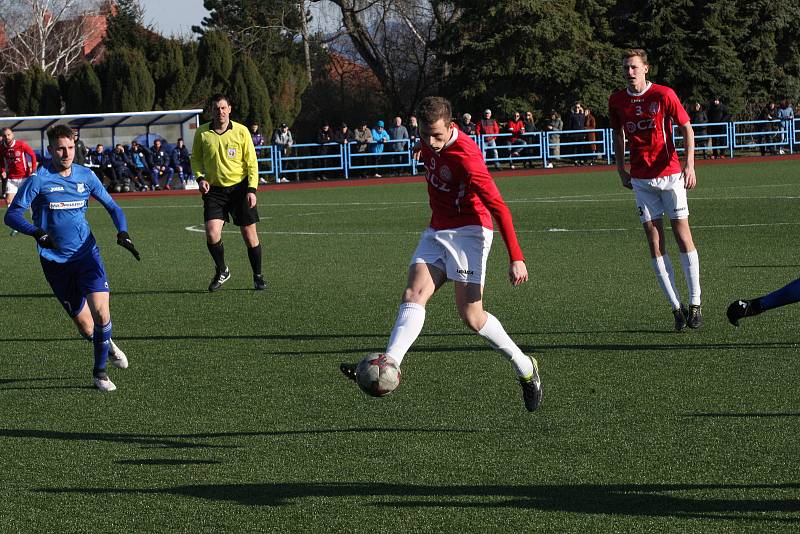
<point x="218" y="97"/>
<point x="635" y="52"/>
<point x="58" y="131"/>
<point x="433" y="108"/>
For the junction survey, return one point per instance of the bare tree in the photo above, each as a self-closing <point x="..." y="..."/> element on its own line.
<point x="47" y="33"/>
<point x="396" y="38"/>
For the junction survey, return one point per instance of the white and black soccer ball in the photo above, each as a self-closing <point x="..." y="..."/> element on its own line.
<point x="378" y="374"/>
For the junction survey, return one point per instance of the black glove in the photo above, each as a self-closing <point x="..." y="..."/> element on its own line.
<point x="124" y="240"/>
<point x="43" y="239"/>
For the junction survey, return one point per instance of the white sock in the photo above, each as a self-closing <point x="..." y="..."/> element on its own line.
<point x="407" y="326"/>
<point x="499" y="340"/>
<point x="690" y="262"/>
<point x="665" y="275"/>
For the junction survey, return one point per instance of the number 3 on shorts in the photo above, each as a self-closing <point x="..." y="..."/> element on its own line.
<point x="641" y="211"/>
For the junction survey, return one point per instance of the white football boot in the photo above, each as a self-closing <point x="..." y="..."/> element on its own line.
<point x="116" y="356"/>
<point x="104" y="384"/>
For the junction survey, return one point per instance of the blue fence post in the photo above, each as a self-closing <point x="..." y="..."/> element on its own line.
<point x="545" y="149"/>
<point x="791" y="137"/>
<point x="345" y="154"/>
<point x="729" y="130"/>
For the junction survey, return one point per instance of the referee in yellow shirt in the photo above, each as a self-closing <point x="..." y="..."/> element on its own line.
<point x="224" y="161"/>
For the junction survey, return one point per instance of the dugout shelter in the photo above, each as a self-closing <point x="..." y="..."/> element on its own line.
<point x="109" y="128"/>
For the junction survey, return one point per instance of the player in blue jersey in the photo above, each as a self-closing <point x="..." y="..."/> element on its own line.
<point x="58" y="195"/>
<point x="739" y="309"/>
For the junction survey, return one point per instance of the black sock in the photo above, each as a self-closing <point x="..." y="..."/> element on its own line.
<point x="218" y="254"/>
<point x="254" y="254"/>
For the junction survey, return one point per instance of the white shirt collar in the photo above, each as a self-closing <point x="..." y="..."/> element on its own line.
<point x="647" y="86"/>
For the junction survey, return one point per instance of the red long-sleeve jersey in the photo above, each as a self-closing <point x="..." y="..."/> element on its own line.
<point x="462" y="192"/>
<point x="13" y="159"/>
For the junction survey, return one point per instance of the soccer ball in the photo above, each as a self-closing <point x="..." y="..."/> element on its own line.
<point x="378" y="375"/>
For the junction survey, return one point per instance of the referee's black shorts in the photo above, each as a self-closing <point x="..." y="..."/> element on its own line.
<point x="229" y="202"/>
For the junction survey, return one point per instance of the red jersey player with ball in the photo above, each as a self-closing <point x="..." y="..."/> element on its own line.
<point x="464" y="199"/>
<point x="643" y="113"/>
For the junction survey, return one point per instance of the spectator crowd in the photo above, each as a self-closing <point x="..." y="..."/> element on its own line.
<point x="511" y="141"/>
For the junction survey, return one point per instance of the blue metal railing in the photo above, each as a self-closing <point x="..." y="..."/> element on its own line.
<point x="533" y="148"/>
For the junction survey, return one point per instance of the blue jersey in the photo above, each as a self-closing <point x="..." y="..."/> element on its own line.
<point x="59" y="205"/>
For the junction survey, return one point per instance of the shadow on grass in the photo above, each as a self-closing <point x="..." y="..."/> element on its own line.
<point x="4" y="383"/>
<point x="742" y="414"/>
<point x="609" y="499"/>
<point x="167" y="461"/>
<point x="764" y="266"/>
<point x="188" y="441"/>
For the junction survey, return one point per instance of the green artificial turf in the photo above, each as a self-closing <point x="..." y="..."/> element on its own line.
<point x="233" y="416"/>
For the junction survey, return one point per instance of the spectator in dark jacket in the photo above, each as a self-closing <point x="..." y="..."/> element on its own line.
<point x="718" y="112"/>
<point x="161" y="164"/>
<point x="122" y="163"/>
<point x="80" y="148"/>
<point x="575" y="120"/>
<point x="769" y="113"/>
<point x="698" y="115"/>
<point x="325" y="138"/>
<point x="466" y="125"/>
<point x="100" y="162"/>
<point x="141" y="165"/>
<point x="181" y="162"/>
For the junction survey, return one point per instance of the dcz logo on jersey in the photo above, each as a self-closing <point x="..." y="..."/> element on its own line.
<point x="81" y="187"/>
<point x="72" y="205"/>
<point x="446" y="174"/>
<point x="644" y="124"/>
<point x="56" y="188"/>
<point x="654" y="108"/>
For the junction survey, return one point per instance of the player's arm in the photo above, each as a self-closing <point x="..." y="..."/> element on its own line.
<point x="689" y="178"/>
<point x="117" y="215"/>
<point x="251" y="164"/>
<point x="198" y="162"/>
<point x="32" y="155"/>
<point x="487" y="191"/>
<point x="619" y="156"/>
<point x="15" y="215"/>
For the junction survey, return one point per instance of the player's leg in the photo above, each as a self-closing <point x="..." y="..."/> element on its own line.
<point x="651" y="211"/>
<point x="217" y="250"/>
<point x="469" y="301"/>
<point x="423" y="281"/>
<point x="85" y="325"/>
<point x="676" y="204"/>
<point x="788" y="294"/>
<point x="11" y="192"/>
<point x="98" y="305"/>
<point x="246" y="218"/>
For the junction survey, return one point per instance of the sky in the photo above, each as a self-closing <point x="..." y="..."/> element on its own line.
<point x="173" y="17"/>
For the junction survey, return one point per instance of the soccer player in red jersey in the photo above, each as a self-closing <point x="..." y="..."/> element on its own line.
<point x="464" y="199"/>
<point x="643" y="113"/>
<point x="18" y="161"/>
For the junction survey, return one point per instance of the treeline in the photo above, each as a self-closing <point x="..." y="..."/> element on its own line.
<point x="511" y="55"/>
<point x="141" y="71"/>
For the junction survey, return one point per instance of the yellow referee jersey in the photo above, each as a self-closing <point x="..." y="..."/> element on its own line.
<point x="225" y="159"/>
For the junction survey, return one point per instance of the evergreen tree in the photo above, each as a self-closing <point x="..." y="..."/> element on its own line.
<point x="17" y="90"/>
<point x="32" y="92"/>
<point x="172" y="82"/>
<point x="285" y="84"/>
<point x="127" y="83"/>
<point x="82" y="91"/>
<point x="257" y="95"/>
<point x="215" y="57"/>
<point x="548" y="62"/>
<point x="237" y="92"/>
<point x="126" y="29"/>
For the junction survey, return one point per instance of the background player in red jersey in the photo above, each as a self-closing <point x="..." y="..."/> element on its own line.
<point x="464" y="199"/>
<point x="644" y="113"/>
<point x="18" y="161"/>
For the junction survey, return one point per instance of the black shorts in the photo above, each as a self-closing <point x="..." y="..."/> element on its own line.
<point x="222" y="202"/>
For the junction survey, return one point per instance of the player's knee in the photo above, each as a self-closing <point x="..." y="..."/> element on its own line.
<point x="415" y="295"/>
<point x="472" y="319"/>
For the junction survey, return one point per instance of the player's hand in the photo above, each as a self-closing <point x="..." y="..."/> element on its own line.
<point x="251" y="200"/>
<point x="202" y="183"/>
<point x="689" y="178"/>
<point x="124" y="240"/>
<point x="43" y="239"/>
<point x="517" y="272"/>
<point x="625" y="176"/>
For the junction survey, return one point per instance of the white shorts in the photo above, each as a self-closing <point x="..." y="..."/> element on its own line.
<point x="460" y="253"/>
<point x="657" y="196"/>
<point x="13" y="185"/>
